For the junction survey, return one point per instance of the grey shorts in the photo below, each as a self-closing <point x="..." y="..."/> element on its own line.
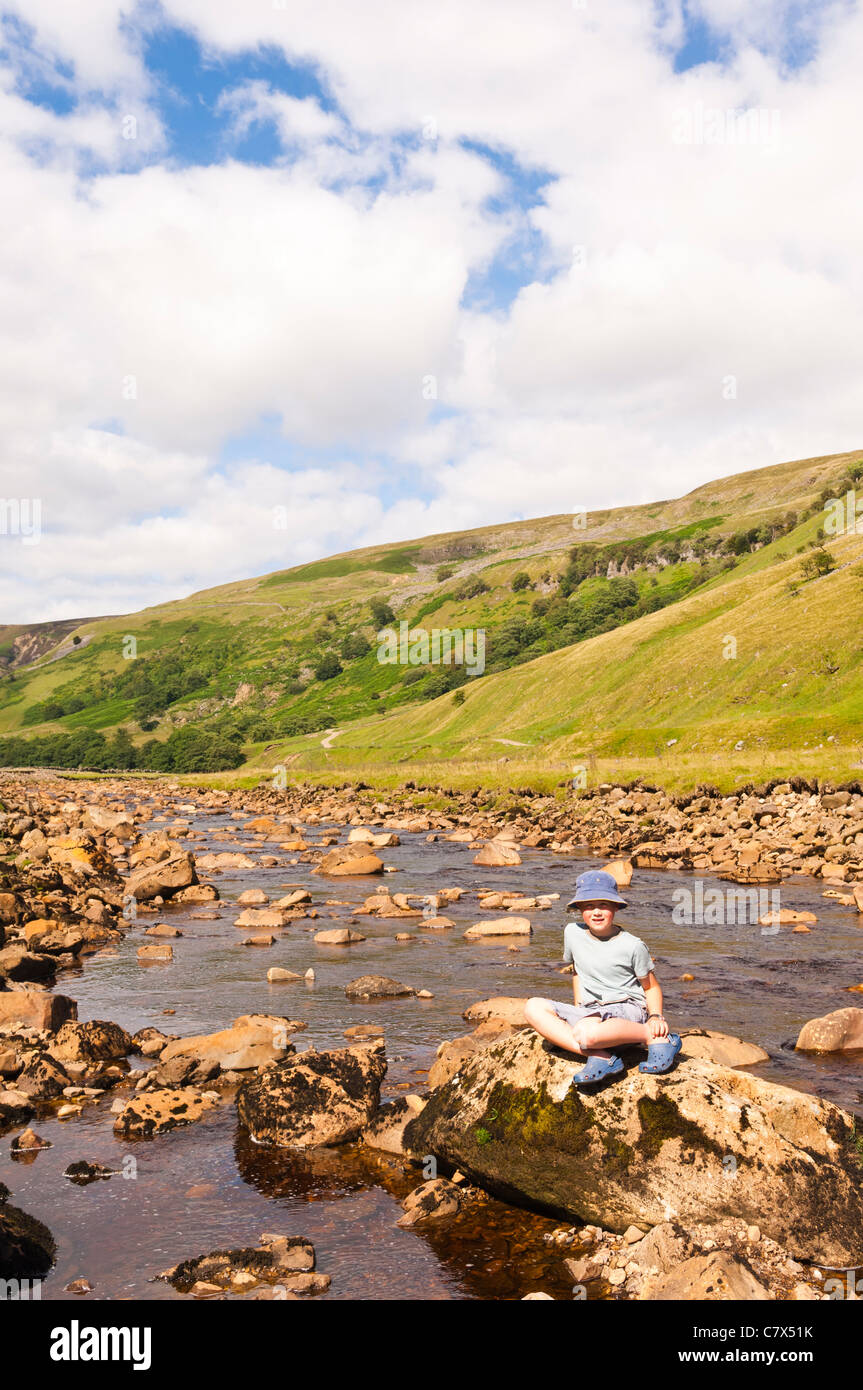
<point x="574" y="1013"/>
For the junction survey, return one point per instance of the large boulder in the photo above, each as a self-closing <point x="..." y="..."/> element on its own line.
<point x="841" y="1031"/>
<point x="32" y="1008"/>
<point x="162" y="879"/>
<point x="698" y="1144"/>
<point x="451" y="1055"/>
<point x="94" y="1041"/>
<point x="27" y="1247"/>
<point x="314" y="1098"/>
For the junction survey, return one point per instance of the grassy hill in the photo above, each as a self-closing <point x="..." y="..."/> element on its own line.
<point x="679" y="639"/>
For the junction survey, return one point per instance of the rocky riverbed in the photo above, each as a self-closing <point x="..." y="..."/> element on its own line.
<point x="249" y="1040"/>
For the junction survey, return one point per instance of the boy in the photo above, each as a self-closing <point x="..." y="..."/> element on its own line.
<point x="617" y="996"/>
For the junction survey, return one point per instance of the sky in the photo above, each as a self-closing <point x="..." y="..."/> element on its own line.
<point x="401" y="268"/>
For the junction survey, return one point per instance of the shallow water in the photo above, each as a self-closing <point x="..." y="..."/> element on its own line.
<point x="207" y="1186"/>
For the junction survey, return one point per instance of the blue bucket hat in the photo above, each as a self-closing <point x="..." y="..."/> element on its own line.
<point x="596" y="886"/>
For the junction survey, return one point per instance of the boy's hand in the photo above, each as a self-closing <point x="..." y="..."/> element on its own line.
<point x="657" y="1028"/>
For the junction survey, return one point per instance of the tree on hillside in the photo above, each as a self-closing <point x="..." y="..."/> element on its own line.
<point x="817" y="563"/>
<point x="382" y="614"/>
<point x="328" y="667"/>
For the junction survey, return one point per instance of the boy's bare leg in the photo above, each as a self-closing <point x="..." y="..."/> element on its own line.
<point x="590" y="1038"/>
<point x="551" y="1026"/>
<point x="614" y="1032"/>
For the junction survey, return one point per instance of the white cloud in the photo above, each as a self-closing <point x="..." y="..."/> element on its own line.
<point x="187" y="304"/>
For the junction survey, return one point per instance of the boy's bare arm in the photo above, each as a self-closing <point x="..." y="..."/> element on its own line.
<point x="657" y="1027"/>
<point x="575" y="993"/>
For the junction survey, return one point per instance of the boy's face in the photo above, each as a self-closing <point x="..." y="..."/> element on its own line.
<point x="598" y="917"/>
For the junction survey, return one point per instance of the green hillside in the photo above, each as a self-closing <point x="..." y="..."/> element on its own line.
<point x="702" y="638"/>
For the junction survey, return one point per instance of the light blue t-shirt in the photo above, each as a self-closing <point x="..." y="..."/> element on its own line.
<point x="608" y="970"/>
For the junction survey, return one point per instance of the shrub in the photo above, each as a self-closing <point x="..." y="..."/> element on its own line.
<point x="328" y="667"/>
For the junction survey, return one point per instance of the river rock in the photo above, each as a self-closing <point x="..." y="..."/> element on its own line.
<point x="785" y="917"/>
<point x="240" y="1048"/>
<point x="41" y="1077"/>
<point x="500" y="926"/>
<point x="719" y="1276"/>
<point x="295" y="899"/>
<point x="93" y="1041"/>
<point x="314" y="1098"/>
<point x="621" y="872"/>
<point x="841" y="1031"/>
<point x="225" y="859"/>
<point x="27" y="967"/>
<point x="451" y="1055"/>
<point x="155" y="952"/>
<point x="156" y="1112"/>
<point x="386" y="1128"/>
<point x="722" y="1048"/>
<point x="502" y="1006"/>
<point x="197" y="893"/>
<point x="262" y="917"/>
<point x="338" y="936"/>
<point x="286" y="1262"/>
<point x="430" y="1201"/>
<point x="27" y="1248"/>
<point x="377" y="987"/>
<point x="497" y="856"/>
<point x="36" y="1009"/>
<point x="163" y="879"/>
<point x="349" y="861"/>
<point x="649" y="1148"/>
<point x="16" y="1108"/>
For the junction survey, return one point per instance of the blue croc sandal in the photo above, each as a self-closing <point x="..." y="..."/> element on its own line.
<point x="597" y="1069"/>
<point x="661" y="1054"/>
